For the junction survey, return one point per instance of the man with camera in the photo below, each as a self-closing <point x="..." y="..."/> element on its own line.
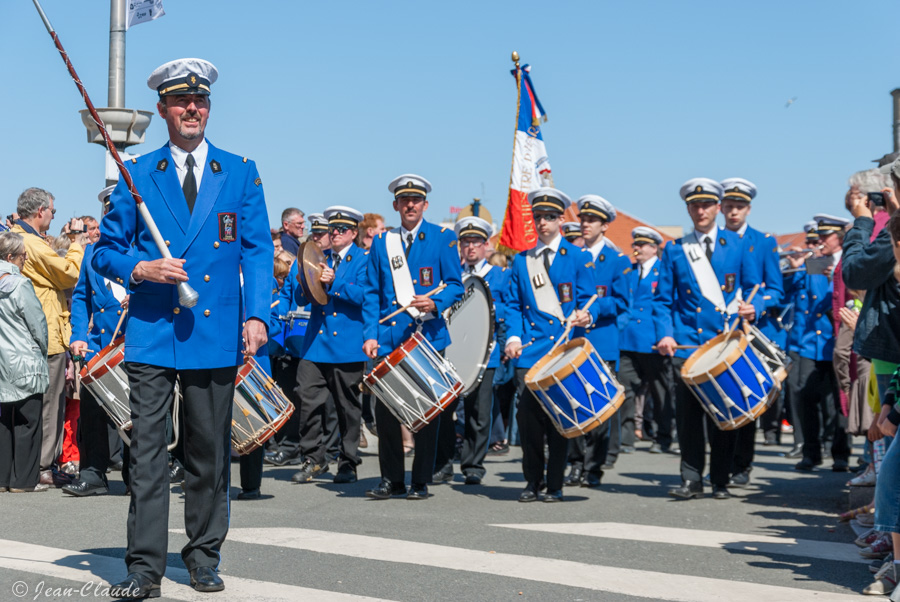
<point x="51" y="276"/>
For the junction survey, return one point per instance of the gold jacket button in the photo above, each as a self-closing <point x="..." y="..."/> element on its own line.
<point x="551" y="321"/>
<point x="723" y="287"/>
<point x="414" y="282"/>
<point x="639" y="321"/>
<point x="119" y="313"/>
<point x="393" y="303"/>
<point x="688" y="291"/>
<point x="206" y="278"/>
<point x="641" y="309"/>
<point x="393" y="323"/>
<point x="334" y="314"/>
<point x="320" y="332"/>
<point x="814" y="297"/>
<point x="551" y="338"/>
<point x="698" y="310"/>
<point x="323" y="312"/>
<point x="102" y="310"/>
<point x="334" y="333"/>
<point x="206" y="313"/>
<point x="216" y="245"/>
<point x="818" y="315"/>
<point x="176" y="311"/>
<point x="818" y="332"/>
<point x="102" y="331"/>
<point x="168" y="243"/>
<point x="699" y="331"/>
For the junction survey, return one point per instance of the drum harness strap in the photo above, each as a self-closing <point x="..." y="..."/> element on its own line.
<point x="706" y="276"/>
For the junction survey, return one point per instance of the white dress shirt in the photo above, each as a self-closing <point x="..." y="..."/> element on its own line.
<point x="179" y="156"/>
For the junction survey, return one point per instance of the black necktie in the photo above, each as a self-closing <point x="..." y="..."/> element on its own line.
<point x="190" y="183"/>
<point x="708" y="242"/>
<point x="640" y="272"/>
<point x="336" y="260"/>
<point x="409" y="241"/>
<point x="108" y="285"/>
<point x="546" y="253"/>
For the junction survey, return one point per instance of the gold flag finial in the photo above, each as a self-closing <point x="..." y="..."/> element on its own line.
<point x="515" y="58"/>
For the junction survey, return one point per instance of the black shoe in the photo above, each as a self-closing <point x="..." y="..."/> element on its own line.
<point x="176" y="473"/>
<point x="498" y="449"/>
<point x="417" y="492"/>
<point x="688" y="490"/>
<point x="591" y="480"/>
<point x="575" y="476"/>
<point x="770" y="439"/>
<point x="673" y="449"/>
<point x="473" y="479"/>
<point x="655" y="448"/>
<point x="720" y="492"/>
<point x="807" y="465"/>
<point x="838" y="466"/>
<point x="741" y="479"/>
<point x="308" y="471"/>
<point x="249" y="494"/>
<point x="134" y="587"/>
<point x="529" y="494"/>
<point x="385" y="490"/>
<point x="552" y="496"/>
<point x="84" y="489"/>
<point x="441" y="477"/>
<point x="346" y="474"/>
<point x="796" y="452"/>
<point x="280" y="458"/>
<point x="627" y="449"/>
<point x="117" y="466"/>
<point x="608" y="466"/>
<point x="205" y="579"/>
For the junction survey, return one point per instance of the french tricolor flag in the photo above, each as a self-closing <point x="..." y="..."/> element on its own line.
<point x="530" y="166"/>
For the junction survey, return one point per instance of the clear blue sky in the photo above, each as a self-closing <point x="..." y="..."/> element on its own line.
<point x="333" y="100"/>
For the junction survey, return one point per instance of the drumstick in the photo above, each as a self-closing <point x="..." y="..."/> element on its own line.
<point x="565" y="334"/>
<point x="274" y="304"/>
<point x="729" y="330"/>
<point x="403" y="309"/>
<point x="679" y="347"/>
<point x="119" y="325"/>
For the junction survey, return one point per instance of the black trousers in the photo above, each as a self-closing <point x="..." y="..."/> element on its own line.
<point x="534" y="427"/>
<point x="770" y="422"/>
<point x="391" y="458"/>
<point x="20" y="442"/>
<point x="819" y="401"/>
<point x="284" y="371"/>
<point x="656" y="371"/>
<point x="692" y="420"/>
<point x="793" y="398"/>
<point x="251" y="467"/>
<point x="477" y="413"/>
<point x="93" y="440"/>
<point x="594" y="449"/>
<point x="319" y="384"/>
<point x="208" y="397"/>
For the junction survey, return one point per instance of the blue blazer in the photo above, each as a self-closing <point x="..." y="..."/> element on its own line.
<point x="681" y="311"/>
<point x="433" y="259"/>
<point x="639" y="333"/>
<point x="92" y="300"/>
<point x="815" y="331"/>
<point x="334" y="334"/>
<point x="610" y="281"/>
<point x="497" y="279"/>
<point x="227" y="233"/>
<point x="793" y="291"/>
<point x="763" y="248"/>
<point x="571" y="268"/>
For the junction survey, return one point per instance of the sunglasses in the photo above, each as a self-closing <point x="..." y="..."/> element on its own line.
<point x="339" y="229"/>
<point x="546" y="217"/>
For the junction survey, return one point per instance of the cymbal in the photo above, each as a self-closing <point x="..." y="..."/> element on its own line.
<point x="310" y="272"/>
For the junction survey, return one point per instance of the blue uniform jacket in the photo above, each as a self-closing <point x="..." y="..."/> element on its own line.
<point x="681" y="311"/>
<point x="793" y="292"/>
<point x="227" y="232"/>
<point x="610" y="274"/>
<point x="293" y="344"/>
<point x="92" y="300"/>
<point x="497" y="279"/>
<point x="763" y="249"/>
<point x="571" y="267"/>
<point x="815" y="335"/>
<point x="334" y="334"/>
<point x="433" y="259"/>
<point x="639" y="333"/>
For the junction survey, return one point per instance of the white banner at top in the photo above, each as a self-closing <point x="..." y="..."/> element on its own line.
<point x="141" y="11"/>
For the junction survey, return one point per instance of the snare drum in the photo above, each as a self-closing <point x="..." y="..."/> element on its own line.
<point x="730" y="380"/>
<point x="414" y="382"/>
<point x="260" y="408"/>
<point x="575" y="388"/>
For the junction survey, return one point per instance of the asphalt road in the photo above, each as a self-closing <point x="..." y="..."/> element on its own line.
<point x="779" y="539"/>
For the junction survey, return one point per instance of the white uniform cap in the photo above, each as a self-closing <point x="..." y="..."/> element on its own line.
<point x="810" y="226"/>
<point x="342" y="215"/>
<point x="738" y="189"/>
<point x="571" y="230"/>
<point x="592" y="204"/>
<point x="104" y="194"/>
<point x="317" y="222"/>
<point x="473" y="226"/>
<point x="409" y="184"/>
<point x="549" y="199"/>
<point x="701" y="189"/>
<point x="646" y="235"/>
<point x="830" y="223"/>
<point x="183" y="76"/>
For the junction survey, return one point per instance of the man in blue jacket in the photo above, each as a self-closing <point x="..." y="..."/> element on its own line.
<point x="405" y="264"/>
<point x="610" y="269"/>
<point x="474" y="234"/>
<point x="333" y="360"/>
<point x="210" y="210"/>
<point x="763" y="248"/>
<point x="700" y="289"/>
<point x="640" y="363"/>
<point x="548" y="286"/>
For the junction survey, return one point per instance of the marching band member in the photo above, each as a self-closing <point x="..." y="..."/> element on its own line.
<point x="817" y="384"/>
<point x="699" y="291"/>
<point x="572" y="233"/>
<point x="548" y="284"/>
<point x="333" y="360"/>
<point x="97" y="302"/>
<point x="474" y="233"/>
<point x="318" y="230"/>
<point x="763" y="248"/>
<point x="589" y="453"/>
<point x="639" y="362"/>
<point x="209" y="204"/>
<point x="405" y="264"/>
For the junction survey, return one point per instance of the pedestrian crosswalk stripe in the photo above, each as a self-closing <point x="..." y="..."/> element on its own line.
<point x="614" y="580"/>
<point x="737" y="542"/>
<point x="81" y="568"/>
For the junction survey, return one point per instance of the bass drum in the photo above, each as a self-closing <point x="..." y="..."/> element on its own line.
<point x="470" y="322"/>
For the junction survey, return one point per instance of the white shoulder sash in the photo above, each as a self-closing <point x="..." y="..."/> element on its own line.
<point x="706" y="276"/>
<point x="484" y="269"/>
<point x="403" y="284"/>
<point x="544" y="293"/>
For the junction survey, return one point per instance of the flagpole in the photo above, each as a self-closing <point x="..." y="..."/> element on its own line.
<point x="512" y="167"/>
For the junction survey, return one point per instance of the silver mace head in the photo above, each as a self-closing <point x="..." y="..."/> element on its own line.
<point x="187" y="296"/>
